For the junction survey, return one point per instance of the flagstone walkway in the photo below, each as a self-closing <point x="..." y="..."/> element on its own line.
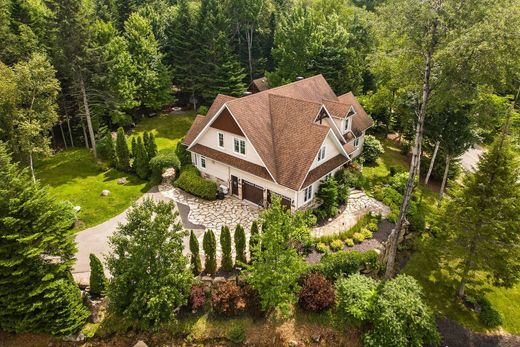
<point x="359" y="204"/>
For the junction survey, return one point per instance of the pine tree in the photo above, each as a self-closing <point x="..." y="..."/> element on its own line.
<point x="479" y="224"/>
<point x="141" y="164"/>
<point x="134" y="147"/>
<point x="98" y="280"/>
<point x="210" y="252"/>
<point x="123" y="155"/>
<point x="112" y="155"/>
<point x="37" y="292"/>
<point x="151" y="147"/>
<point x="145" y="141"/>
<point x="254" y="238"/>
<point x="225" y="245"/>
<point x="195" y="256"/>
<point x="240" y="244"/>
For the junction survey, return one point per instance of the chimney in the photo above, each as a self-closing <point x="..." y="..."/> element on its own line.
<point x="299" y="78"/>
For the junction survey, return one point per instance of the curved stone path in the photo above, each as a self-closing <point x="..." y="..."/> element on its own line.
<point x="359" y="204"/>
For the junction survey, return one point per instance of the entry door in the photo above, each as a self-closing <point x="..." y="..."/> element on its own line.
<point x="234" y="185"/>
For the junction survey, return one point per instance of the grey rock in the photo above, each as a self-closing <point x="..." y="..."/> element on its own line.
<point x="105" y="192"/>
<point x="77" y="208"/>
<point x="122" y="180"/>
<point x="293" y="343"/>
<point x="74" y="338"/>
<point x="316" y="338"/>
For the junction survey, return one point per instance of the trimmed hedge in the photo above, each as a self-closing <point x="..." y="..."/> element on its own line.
<point x="191" y="181"/>
<point x="166" y="158"/>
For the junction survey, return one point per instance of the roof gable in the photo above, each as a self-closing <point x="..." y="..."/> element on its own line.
<point x="224" y="121"/>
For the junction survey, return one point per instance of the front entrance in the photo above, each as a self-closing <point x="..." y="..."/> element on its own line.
<point x="234" y="185"/>
<point x="252" y="192"/>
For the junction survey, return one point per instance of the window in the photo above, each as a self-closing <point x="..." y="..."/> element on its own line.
<point x="356" y="142"/>
<point x="321" y="153"/>
<point x="307" y="194"/>
<point x="348" y="122"/>
<point x="203" y="162"/>
<point x="221" y="140"/>
<point x="240" y="146"/>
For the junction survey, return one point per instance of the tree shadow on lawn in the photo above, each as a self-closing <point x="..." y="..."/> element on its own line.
<point x="169" y="126"/>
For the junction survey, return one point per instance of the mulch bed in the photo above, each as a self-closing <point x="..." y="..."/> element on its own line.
<point x="455" y="335"/>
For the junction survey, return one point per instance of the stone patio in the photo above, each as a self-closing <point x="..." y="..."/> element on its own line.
<point x="359" y="204"/>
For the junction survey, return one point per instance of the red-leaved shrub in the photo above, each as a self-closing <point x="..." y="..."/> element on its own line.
<point x="317" y="294"/>
<point x="227" y="299"/>
<point x="197" y="297"/>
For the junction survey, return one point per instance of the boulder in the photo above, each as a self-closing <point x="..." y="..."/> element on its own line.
<point x="122" y="180"/>
<point x="140" y="343"/>
<point x="77" y="208"/>
<point x="74" y="338"/>
<point x="105" y="192"/>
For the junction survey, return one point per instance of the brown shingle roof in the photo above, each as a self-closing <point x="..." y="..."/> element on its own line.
<point x="201" y="121"/>
<point x="279" y="123"/>
<point x="320" y="171"/>
<point x="260" y="84"/>
<point x="349" y="148"/>
<point x="240" y="164"/>
<point x="361" y="121"/>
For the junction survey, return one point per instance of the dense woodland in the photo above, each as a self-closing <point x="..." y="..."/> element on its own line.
<point x="443" y="75"/>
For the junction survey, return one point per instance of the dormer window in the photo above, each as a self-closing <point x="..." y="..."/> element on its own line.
<point x="351" y="112"/>
<point x="321" y="153"/>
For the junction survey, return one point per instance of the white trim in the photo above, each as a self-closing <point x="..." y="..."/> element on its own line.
<point x="242" y="130"/>
<point x="218" y="139"/>
<point x="239" y="146"/>
<point x="202" y="160"/>
<point x="305" y="200"/>
<point x="338" y="143"/>
<point x="322" y="153"/>
<point x="356" y="142"/>
<point x="331" y="119"/>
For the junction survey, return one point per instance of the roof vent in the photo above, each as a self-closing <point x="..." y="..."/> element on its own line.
<point x="299" y="78"/>
<point x="246" y="93"/>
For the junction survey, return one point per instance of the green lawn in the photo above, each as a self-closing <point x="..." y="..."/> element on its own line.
<point x="440" y="287"/>
<point x="75" y="176"/>
<point x="167" y="128"/>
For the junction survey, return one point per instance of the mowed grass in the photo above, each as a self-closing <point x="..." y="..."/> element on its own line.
<point x="168" y="129"/>
<point x="440" y="287"/>
<point x="73" y="175"/>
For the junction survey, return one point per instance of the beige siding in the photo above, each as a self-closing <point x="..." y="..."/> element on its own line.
<point x="315" y="186"/>
<point x="359" y="149"/>
<point x="330" y="152"/>
<point x="210" y="139"/>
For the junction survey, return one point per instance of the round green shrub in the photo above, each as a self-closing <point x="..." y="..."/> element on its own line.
<point x="372" y="149"/>
<point x="373" y="227"/>
<point x="358" y="237"/>
<point x="336" y="245"/>
<point x="166" y="158"/>
<point x="349" y="242"/>
<point x="322" y="248"/>
<point x="237" y="334"/>
<point x="367" y="234"/>
<point x="488" y="316"/>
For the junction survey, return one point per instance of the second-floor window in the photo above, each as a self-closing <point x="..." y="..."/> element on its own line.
<point x="321" y="153"/>
<point x="356" y="142"/>
<point x="240" y="146"/>
<point x="221" y="140"/>
<point x="347" y="124"/>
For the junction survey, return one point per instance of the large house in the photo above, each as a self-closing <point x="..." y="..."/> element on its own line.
<point x="281" y="141"/>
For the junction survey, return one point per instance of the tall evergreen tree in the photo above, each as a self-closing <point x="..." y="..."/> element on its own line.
<point x="209" y="244"/>
<point x="254" y="238"/>
<point x="141" y="163"/>
<point x="195" y="255"/>
<point x="112" y="155"/>
<point x="225" y="246"/>
<point x="134" y="146"/>
<point x="98" y="280"/>
<point x="240" y="244"/>
<point x="151" y="77"/>
<point x="478" y="226"/>
<point x="37" y="292"/>
<point x="151" y="146"/>
<point x="123" y="154"/>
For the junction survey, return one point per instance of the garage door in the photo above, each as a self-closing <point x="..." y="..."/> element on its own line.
<point x="252" y="192"/>
<point x="286" y="202"/>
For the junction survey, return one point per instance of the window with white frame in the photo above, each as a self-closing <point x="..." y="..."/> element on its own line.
<point x="356" y="142"/>
<point x="202" y="162"/>
<point x="321" y="153"/>
<point x="240" y="146"/>
<point x="307" y="194"/>
<point x="348" y="122"/>
<point x="221" y="140"/>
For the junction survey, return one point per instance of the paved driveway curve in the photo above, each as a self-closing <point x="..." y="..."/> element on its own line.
<point x="95" y="239"/>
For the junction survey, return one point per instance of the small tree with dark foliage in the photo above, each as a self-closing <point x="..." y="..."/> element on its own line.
<point x="98" y="280"/>
<point x="225" y="245"/>
<point x="254" y="238"/>
<point x="196" y="265"/>
<point x="210" y="252"/>
<point x="123" y="154"/>
<point x="317" y="294"/>
<point x="197" y="297"/>
<point x="227" y="299"/>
